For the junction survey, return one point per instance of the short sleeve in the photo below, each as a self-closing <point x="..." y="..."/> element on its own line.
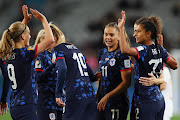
<point x="124" y="62"/>
<point x="165" y="55"/>
<point x="140" y="51"/>
<point x="57" y="54"/>
<point x="29" y="53"/>
<point x="39" y="66"/>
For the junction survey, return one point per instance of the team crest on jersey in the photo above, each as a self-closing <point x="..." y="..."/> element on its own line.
<point x="112" y="62"/>
<point x="52" y="116"/>
<point x="38" y="64"/>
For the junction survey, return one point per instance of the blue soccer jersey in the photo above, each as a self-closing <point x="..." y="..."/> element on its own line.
<point x="34" y="84"/>
<point x="46" y="77"/>
<point x="77" y="79"/>
<point x="19" y="72"/>
<point x="6" y="81"/>
<point x="110" y="65"/>
<point x="148" y="61"/>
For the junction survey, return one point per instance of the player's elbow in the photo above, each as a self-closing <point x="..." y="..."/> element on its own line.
<point x="175" y="67"/>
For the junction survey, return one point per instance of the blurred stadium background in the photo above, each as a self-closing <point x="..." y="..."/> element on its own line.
<point x="83" y="21"/>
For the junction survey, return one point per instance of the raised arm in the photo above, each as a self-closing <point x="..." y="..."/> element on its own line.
<point x="27" y="16"/>
<point x="124" y="45"/>
<point x="48" y="40"/>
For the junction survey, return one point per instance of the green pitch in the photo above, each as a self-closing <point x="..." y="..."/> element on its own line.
<point x="6" y="116"/>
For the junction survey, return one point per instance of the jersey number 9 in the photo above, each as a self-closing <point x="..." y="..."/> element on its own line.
<point x="11" y="75"/>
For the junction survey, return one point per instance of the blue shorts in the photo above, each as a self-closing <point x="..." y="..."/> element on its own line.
<point x="148" y="111"/>
<point x="46" y="114"/>
<point x="24" y="112"/>
<point x="84" y="109"/>
<point x="112" y="114"/>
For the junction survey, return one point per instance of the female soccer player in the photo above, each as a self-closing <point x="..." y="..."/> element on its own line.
<point x="15" y="50"/>
<point x="75" y="73"/>
<point x="148" y="102"/>
<point x="46" y="77"/>
<point x="115" y="68"/>
<point x="166" y="85"/>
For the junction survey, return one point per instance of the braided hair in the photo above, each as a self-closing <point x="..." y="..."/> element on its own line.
<point x="150" y="26"/>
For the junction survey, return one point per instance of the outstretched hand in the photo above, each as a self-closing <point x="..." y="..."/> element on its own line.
<point x="39" y="16"/>
<point x="121" y="21"/>
<point x="27" y="16"/>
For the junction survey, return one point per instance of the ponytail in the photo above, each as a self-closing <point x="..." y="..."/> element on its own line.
<point x="6" y="45"/>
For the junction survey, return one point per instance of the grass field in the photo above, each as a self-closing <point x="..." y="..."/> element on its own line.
<point x="8" y="117"/>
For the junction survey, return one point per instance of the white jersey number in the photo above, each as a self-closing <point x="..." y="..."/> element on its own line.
<point x="104" y="71"/>
<point x="137" y="113"/>
<point x="81" y="63"/>
<point x="155" y="62"/>
<point x="115" y="112"/>
<point x="11" y="75"/>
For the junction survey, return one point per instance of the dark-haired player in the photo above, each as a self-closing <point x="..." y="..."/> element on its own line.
<point x="148" y="101"/>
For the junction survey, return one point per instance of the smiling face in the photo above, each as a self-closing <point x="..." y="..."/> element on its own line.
<point x="111" y="37"/>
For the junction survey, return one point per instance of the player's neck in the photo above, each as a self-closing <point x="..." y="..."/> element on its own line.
<point x="19" y="44"/>
<point x="148" y="42"/>
<point x="112" y="48"/>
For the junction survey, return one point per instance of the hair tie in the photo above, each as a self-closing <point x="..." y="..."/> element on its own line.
<point x="8" y="30"/>
<point x="19" y="34"/>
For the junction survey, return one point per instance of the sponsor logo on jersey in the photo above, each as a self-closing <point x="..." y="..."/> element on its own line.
<point x="38" y="64"/>
<point x="112" y="62"/>
<point x="52" y="116"/>
<point x="127" y="63"/>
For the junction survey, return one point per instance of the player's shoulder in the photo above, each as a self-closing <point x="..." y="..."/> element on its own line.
<point x="142" y="47"/>
<point x="42" y="54"/>
<point x="121" y="55"/>
<point x="102" y="51"/>
<point x="64" y="46"/>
